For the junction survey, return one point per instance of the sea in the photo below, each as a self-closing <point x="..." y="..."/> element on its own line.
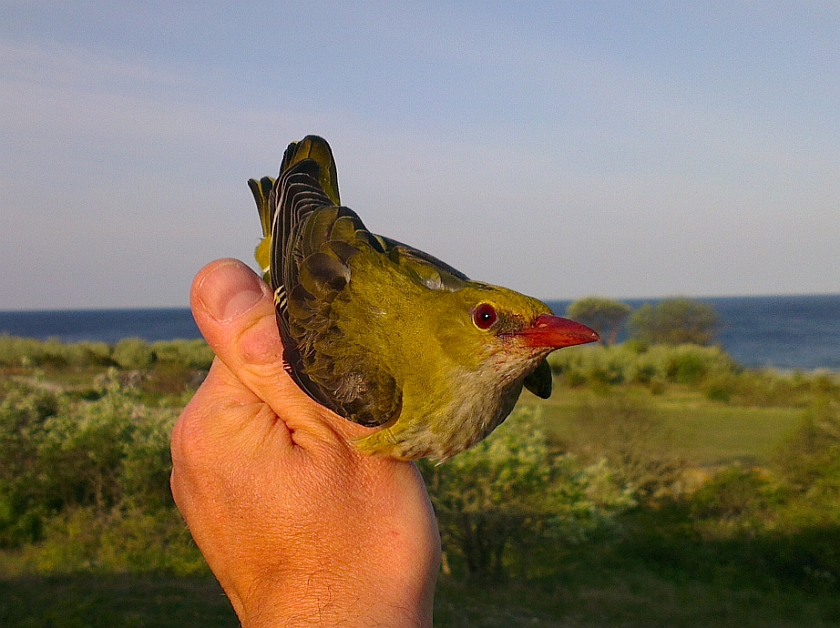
<point x="781" y="332"/>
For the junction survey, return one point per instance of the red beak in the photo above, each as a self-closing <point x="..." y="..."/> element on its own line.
<point x="555" y="332"/>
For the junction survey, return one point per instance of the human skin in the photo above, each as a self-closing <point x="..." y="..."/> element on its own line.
<point x="299" y="528"/>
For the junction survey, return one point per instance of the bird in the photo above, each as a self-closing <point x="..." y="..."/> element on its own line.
<point x="388" y="336"/>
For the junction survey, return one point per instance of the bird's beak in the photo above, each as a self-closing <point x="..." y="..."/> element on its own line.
<point x="555" y="332"/>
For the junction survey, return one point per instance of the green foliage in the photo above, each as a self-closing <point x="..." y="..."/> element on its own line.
<point x="708" y="368"/>
<point x="129" y="353"/>
<point x="24" y="414"/>
<point x="674" y="322"/>
<point x="84" y="464"/>
<point x="496" y="501"/>
<point x="769" y="388"/>
<point x="28" y="352"/>
<point x="605" y="316"/>
<point x="810" y="459"/>
<point x="733" y="493"/>
<point x="59" y="455"/>
<point x="195" y="354"/>
<point x="632" y="363"/>
<point x="122" y="539"/>
<point x="133" y="353"/>
<point x="623" y="430"/>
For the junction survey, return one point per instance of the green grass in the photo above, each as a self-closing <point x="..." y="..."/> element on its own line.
<point x="637" y="599"/>
<point x="584" y="597"/>
<point x="686" y="425"/>
<point x="109" y="600"/>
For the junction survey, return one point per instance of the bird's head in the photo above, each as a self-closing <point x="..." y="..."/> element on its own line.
<point x="508" y="331"/>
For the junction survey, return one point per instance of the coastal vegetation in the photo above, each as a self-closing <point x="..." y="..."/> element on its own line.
<point x="661" y="485"/>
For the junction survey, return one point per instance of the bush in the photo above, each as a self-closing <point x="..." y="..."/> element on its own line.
<point x="732" y="493"/>
<point x="633" y="363"/>
<point x="194" y="354"/>
<point x="28" y="353"/>
<point x="496" y="501"/>
<point x="720" y="389"/>
<point x="133" y="354"/>
<point x="623" y="430"/>
<point x="811" y="457"/>
<point x="129" y="353"/>
<point x="686" y="368"/>
<point x="120" y="540"/>
<point x="24" y="416"/>
<point x="57" y="455"/>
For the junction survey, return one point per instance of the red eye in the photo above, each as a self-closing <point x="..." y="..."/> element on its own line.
<point x="484" y="316"/>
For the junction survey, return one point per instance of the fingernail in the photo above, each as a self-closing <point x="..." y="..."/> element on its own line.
<point x="229" y="290"/>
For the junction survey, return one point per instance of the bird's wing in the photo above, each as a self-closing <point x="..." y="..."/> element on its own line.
<point x="312" y="241"/>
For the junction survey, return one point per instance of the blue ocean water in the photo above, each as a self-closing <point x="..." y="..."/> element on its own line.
<point x="787" y="332"/>
<point x="101" y="325"/>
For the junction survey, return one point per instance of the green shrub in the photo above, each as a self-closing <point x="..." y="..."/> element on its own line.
<point x="498" y="500"/>
<point x="732" y="493"/>
<point x="811" y="455"/>
<point x="686" y="368"/>
<point x="58" y="455"/>
<point x="720" y="388"/>
<point x="118" y="540"/>
<point x="195" y="354"/>
<point x="623" y="429"/>
<point x="25" y="413"/>
<point x="633" y="363"/>
<point x="770" y="388"/>
<point x="94" y="354"/>
<point x="28" y="353"/>
<point x="133" y="354"/>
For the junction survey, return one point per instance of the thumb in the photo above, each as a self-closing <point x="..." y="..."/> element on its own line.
<point x="234" y="310"/>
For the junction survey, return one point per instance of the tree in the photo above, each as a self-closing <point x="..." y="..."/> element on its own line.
<point x="675" y="321"/>
<point x="603" y="315"/>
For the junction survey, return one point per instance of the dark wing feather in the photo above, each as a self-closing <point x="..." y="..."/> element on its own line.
<point x="312" y="241"/>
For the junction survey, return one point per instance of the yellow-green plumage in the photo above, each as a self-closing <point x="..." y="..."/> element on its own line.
<point x="386" y="335"/>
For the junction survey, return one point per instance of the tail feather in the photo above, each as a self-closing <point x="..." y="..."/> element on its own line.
<point x="262" y="195"/>
<point x="314" y="148"/>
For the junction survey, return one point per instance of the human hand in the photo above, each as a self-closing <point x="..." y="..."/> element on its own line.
<point x="299" y="528"/>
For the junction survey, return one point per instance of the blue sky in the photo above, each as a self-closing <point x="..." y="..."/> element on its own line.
<point x="559" y="148"/>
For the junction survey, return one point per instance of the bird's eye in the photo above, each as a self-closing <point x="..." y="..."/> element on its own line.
<point x="484" y="316"/>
